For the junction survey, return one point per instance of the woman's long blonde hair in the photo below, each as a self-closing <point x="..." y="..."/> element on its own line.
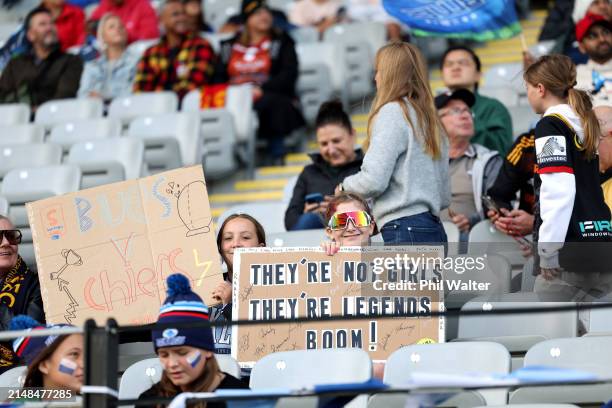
<point x="557" y="73"/>
<point x="402" y="74"/>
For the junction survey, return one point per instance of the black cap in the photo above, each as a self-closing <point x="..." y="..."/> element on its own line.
<point x="461" y="94"/>
<point x="251" y="6"/>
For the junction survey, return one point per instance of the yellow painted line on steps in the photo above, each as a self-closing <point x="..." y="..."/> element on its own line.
<point x="542" y="13"/>
<point x="216" y="212"/>
<point x="250" y="185"/>
<point x="246" y="197"/>
<point x="280" y="171"/>
<point x="503" y="59"/>
<point x="362" y="117"/>
<point x="297" y="158"/>
<point x="361" y="129"/>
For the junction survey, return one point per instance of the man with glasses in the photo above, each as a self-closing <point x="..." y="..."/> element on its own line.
<point x="460" y="68"/>
<point x="473" y="168"/>
<point x="594" y="35"/>
<point x="19" y="288"/>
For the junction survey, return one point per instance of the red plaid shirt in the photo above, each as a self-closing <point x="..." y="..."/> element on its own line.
<point x="191" y="67"/>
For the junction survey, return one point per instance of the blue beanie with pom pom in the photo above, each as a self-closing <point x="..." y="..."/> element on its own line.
<point x="28" y="348"/>
<point x="183" y="306"/>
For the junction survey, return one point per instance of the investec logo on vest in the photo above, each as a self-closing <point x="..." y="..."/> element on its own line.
<point x="595" y="228"/>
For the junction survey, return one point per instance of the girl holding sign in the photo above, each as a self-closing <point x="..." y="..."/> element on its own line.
<point x="187" y="354"/>
<point x="54" y="362"/>
<point x="349" y="223"/>
<point x="405" y="168"/>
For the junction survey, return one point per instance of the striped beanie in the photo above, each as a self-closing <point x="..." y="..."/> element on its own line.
<point x="28" y="348"/>
<point x="183" y="306"/>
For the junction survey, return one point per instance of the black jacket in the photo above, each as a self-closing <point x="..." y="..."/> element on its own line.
<point x="229" y="382"/>
<point x="19" y="294"/>
<point x="318" y="177"/>
<point x="283" y="71"/>
<point x="28" y="81"/>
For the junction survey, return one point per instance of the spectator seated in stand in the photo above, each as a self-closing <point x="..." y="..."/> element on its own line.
<point x="473" y="168"/>
<point x="54" y="362"/>
<point x="138" y="17"/>
<point x="373" y="11"/>
<point x="180" y="62"/>
<point x="321" y="14"/>
<point x="188" y="356"/>
<point x="265" y="57"/>
<point x="112" y="73"/>
<point x="594" y="34"/>
<point x="492" y="122"/>
<point x="336" y="159"/>
<point x="44" y="72"/>
<point x="20" y="289"/>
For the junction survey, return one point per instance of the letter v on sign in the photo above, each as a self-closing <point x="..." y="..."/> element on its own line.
<point x="123" y="252"/>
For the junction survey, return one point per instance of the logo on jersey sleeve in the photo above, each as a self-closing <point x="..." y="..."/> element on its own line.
<point x="551" y="149"/>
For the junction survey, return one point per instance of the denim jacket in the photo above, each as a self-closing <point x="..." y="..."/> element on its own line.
<point x="109" y="80"/>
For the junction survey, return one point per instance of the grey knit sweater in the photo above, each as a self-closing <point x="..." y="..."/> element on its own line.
<point x="396" y="172"/>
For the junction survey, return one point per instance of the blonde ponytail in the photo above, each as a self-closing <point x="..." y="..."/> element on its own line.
<point x="581" y="103"/>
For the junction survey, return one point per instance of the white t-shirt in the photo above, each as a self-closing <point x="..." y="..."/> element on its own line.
<point x="310" y="12"/>
<point x="584" y="81"/>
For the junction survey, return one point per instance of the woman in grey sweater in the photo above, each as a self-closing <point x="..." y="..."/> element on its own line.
<point x="405" y="169"/>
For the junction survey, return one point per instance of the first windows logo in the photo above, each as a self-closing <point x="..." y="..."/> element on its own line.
<point x="595" y="228"/>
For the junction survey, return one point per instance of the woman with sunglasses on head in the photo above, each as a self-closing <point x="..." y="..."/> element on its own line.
<point x="19" y="288"/>
<point x="54" y="362"/>
<point x="405" y="168"/>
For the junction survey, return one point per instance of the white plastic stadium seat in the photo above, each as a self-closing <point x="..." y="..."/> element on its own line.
<point x="14" y="377"/>
<point x="600" y="320"/>
<point x="374" y="34"/>
<point x="108" y="160"/>
<point x="217" y="12"/>
<point x="523" y="119"/>
<point x="484" y="238"/>
<point x="4" y="206"/>
<point x="137" y="48"/>
<point x="30" y="155"/>
<point x="314" y="87"/>
<point x="35" y="183"/>
<point x="305" y="368"/>
<point x="21" y="134"/>
<point x="69" y="133"/>
<point x="450" y="358"/>
<point x="140" y="376"/>
<point x="507" y="75"/>
<point x="328" y="54"/>
<point x="517" y="332"/>
<point x="126" y="108"/>
<point x="589" y="354"/>
<point x="60" y="111"/>
<point x="506" y="95"/>
<point x="305" y="238"/>
<point x="219" y="143"/>
<point x="305" y="34"/>
<point x="269" y="214"/>
<point x="172" y="140"/>
<point x="14" y="113"/>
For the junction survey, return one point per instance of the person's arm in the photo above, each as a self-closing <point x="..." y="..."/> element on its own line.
<point x="284" y="80"/>
<point x="89" y="82"/>
<point x="390" y="135"/>
<point x="68" y="84"/>
<point x="557" y="191"/>
<point x="296" y="205"/>
<point x="512" y="175"/>
<point x="7" y="84"/>
<point x="202" y="71"/>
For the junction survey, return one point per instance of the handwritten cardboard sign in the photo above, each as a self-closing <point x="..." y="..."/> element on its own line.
<point x="106" y="251"/>
<point x="291" y="283"/>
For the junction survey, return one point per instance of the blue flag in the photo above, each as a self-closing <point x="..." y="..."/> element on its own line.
<point x="481" y="20"/>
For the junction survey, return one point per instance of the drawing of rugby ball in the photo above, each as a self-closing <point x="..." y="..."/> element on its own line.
<point x="191" y="210"/>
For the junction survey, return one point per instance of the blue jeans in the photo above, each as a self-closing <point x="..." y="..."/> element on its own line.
<point x="423" y="228"/>
<point x="308" y="221"/>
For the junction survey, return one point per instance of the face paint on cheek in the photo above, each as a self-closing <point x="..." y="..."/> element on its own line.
<point x="67" y="366"/>
<point x="194" y="358"/>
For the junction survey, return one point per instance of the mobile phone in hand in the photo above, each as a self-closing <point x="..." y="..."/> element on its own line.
<point x="313" y="198"/>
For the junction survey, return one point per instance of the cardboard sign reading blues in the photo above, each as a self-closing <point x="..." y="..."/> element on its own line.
<point x="290" y="283"/>
<point x="106" y="251"/>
